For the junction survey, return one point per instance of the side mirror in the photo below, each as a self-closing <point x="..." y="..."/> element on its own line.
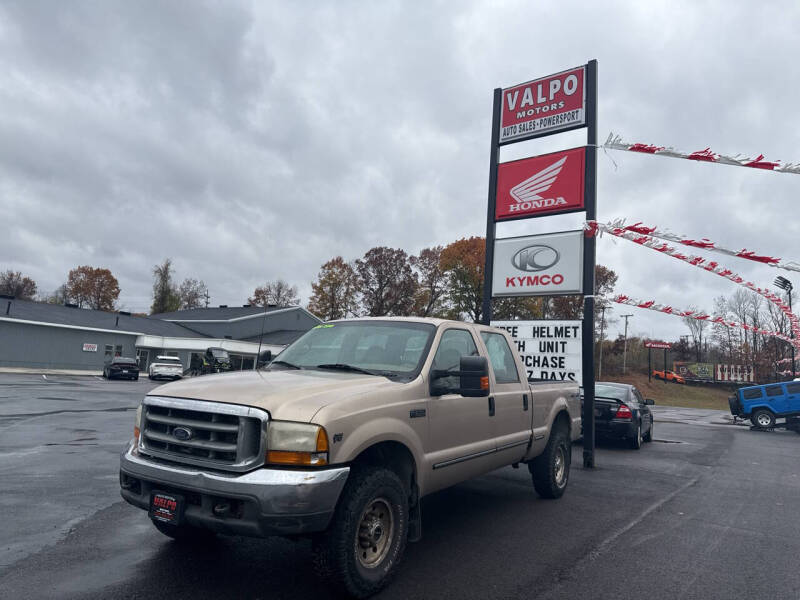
<point x="649" y="401"/>
<point x="473" y="374"/>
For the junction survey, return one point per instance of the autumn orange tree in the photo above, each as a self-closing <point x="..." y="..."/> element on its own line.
<point x="463" y="261"/>
<point x="92" y="287"/>
<point x="334" y="294"/>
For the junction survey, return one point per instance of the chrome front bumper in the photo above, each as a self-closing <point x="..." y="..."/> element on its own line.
<point x="264" y="501"/>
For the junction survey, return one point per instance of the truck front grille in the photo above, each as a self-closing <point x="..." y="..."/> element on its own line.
<point x="220" y="436"/>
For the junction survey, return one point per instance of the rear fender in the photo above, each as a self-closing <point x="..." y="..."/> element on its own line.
<point x="542" y="433"/>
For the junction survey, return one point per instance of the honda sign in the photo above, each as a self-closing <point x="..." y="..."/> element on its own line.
<point x="538" y="265"/>
<point x="547" y="184"/>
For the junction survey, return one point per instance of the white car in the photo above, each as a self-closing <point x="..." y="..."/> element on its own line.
<point x="168" y="367"/>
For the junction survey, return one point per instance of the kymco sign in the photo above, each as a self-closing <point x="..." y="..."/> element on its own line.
<point x="544" y="106"/>
<point x="547" y="184"/>
<point x="538" y="265"/>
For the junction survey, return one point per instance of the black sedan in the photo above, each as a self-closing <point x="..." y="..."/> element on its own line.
<point x="620" y="411"/>
<point x="121" y="367"/>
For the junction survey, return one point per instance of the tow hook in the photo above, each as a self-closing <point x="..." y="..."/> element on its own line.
<point x="222" y="509"/>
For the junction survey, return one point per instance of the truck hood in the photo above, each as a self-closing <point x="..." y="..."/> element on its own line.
<point x="287" y="395"/>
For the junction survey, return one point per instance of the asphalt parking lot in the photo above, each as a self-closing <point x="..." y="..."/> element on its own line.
<point x="708" y="510"/>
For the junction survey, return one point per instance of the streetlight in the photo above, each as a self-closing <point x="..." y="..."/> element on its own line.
<point x="787" y="287"/>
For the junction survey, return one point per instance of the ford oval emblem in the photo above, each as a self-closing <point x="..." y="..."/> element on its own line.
<point x="535" y="258"/>
<point x="182" y="433"/>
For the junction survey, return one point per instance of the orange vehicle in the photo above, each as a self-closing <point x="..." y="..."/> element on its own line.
<point x="669" y="376"/>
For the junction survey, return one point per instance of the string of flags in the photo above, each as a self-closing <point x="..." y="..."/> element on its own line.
<point x="700" y="315"/>
<point x="615" y="142"/>
<point x="594" y="227"/>
<point x="706" y="244"/>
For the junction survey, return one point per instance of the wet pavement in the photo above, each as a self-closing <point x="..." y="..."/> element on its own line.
<point x="707" y="510"/>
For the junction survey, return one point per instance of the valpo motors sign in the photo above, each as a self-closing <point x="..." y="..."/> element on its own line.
<point x="544" y="106"/>
<point x="538" y="265"/>
<point x="547" y="184"/>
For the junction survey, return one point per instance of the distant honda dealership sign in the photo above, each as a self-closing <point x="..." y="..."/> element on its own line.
<point x="663" y="345"/>
<point x="544" y="106"/>
<point x="538" y="265"/>
<point x="546" y="184"/>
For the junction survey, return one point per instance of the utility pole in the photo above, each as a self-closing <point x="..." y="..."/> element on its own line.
<point x="602" y="326"/>
<point x="625" y="344"/>
<point x="208" y="298"/>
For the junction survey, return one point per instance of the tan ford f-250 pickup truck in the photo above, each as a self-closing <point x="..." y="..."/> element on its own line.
<point x="341" y="435"/>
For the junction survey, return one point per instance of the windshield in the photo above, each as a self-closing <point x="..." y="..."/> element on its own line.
<point x="219" y="353"/>
<point x="382" y="347"/>
<point x="610" y="391"/>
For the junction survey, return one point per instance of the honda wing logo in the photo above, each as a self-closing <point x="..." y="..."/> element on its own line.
<point x="527" y="193"/>
<point x="535" y="258"/>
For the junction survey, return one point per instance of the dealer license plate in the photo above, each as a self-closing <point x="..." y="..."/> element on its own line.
<point x="167" y="508"/>
<point x="124" y="371"/>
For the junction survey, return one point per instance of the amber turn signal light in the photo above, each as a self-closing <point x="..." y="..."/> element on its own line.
<point x="485" y="383"/>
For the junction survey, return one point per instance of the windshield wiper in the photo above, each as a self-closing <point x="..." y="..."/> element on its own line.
<point x="284" y="363"/>
<point x="345" y="367"/>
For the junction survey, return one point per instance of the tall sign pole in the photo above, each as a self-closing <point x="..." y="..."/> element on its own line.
<point x="588" y="266"/>
<point x="486" y="310"/>
<point x="559" y="263"/>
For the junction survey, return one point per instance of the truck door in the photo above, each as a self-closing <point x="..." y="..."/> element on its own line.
<point x="513" y="404"/>
<point x="462" y="431"/>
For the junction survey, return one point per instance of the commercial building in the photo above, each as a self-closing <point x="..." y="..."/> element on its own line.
<point x="34" y="335"/>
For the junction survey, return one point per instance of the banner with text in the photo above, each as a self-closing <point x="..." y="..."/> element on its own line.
<point x="549" y="350"/>
<point x="544" y="106"/>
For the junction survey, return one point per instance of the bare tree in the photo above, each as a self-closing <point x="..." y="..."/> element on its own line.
<point x="432" y="290"/>
<point x="696" y="328"/>
<point x="14" y="283"/>
<point x="275" y="293"/>
<point x="192" y="293"/>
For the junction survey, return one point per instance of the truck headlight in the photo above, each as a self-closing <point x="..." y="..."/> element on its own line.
<point x="299" y="444"/>
<point x="137" y="424"/>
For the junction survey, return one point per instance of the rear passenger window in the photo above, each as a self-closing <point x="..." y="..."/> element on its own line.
<point x="505" y="369"/>
<point x="775" y="390"/>
<point x="751" y="394"/>
<point x="793" y="388"/>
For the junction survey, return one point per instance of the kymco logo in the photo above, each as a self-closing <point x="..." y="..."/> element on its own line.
<point x="535" y="258"/>
<point x="541" y="185"/>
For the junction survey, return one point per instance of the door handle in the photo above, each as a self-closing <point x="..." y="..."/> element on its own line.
<point x="524" y="401"/>
<point x="491" y="406"/>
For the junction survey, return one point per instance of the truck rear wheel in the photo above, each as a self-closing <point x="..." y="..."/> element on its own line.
<point x="363" y="547"/>
<point x="550" y="470"/>
<point x="763" y="418"/>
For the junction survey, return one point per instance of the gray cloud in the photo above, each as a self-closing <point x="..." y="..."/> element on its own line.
<point x="251" y="141"/>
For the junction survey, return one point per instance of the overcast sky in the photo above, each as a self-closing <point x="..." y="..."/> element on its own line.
<point x="251" y="141"/>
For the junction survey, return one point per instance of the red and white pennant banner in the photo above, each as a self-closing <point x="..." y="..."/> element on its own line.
<point x="698" y="315"/>
<point x="593" y="227"/>
<point x="615" y="142"/>
<point x="706" y="244"/>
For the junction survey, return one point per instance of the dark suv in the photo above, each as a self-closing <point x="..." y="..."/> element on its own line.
<point x="214" y="360"/>
<point x="121" y="367"/>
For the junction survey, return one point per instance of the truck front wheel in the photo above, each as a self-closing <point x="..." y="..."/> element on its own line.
<point x="550" y="470"/>
<point x="363" y="547"/>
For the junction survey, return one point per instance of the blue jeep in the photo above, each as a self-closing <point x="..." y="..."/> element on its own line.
<point x="765" y="404"/>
